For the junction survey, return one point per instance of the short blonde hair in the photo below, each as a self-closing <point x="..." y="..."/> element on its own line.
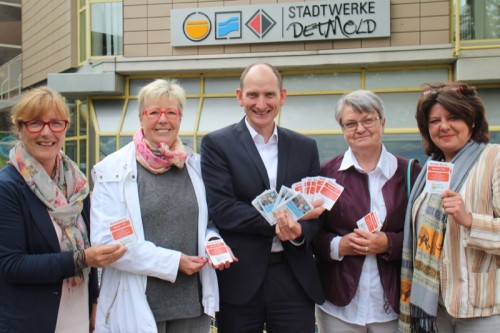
<point x="162" y="88"/>
<point x="35" y="103"/>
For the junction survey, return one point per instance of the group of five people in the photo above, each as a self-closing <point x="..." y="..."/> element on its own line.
<point x="433" y="265"/>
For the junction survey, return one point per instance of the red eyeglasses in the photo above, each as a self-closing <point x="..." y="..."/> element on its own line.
<point x="36" y="126"/>
<point x="156" y="113"/>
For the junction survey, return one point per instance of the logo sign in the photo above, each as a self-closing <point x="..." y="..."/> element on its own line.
<point x="197" y="26"/>
<point x="260" y="23"/>
<point x="300" y="21"/>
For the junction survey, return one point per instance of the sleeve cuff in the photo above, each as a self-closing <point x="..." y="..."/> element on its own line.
<point x="334" y="248"/>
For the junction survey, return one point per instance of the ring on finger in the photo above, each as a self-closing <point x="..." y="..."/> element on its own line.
<point x="366" y="248"/>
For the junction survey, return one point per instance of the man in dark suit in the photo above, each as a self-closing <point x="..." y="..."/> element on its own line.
<point x="275" y="281"/>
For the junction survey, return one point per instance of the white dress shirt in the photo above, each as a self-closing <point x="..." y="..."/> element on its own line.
<point x="268" y="152"/>
<point x="367" y="306"/>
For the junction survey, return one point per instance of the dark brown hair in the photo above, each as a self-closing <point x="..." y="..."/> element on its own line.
<point x="460" y="100"/>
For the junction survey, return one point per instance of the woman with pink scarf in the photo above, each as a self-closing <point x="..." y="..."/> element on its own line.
<point x="164" y="283"/>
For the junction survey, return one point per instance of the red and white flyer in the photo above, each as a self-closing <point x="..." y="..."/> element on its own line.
<point x="123" y="232"/>
<point x="370" y="222"/>
<point x="330" y="192"/>
<point x="218" y="252"/>
<point x="438" y="176"/>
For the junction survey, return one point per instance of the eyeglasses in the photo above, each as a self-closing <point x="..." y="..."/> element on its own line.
<point x="156" y="113"/>
<point x="367" y="123"/>
<point x="36" y="126"/>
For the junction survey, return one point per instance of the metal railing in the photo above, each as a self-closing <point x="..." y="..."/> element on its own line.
<point x="10" y="77"/>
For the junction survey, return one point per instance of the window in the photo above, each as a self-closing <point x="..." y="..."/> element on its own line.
<point x="106" y="29"/>
<point x="82" y="31"/>
<point x="309" y="108"/>
<point x="76" y="135"/>
<point x="479" y="19"/>
<point x="100" y="28"/>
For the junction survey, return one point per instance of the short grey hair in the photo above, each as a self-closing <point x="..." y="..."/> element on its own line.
<point x="360" y="101"/>
<point x="162" y="88"/>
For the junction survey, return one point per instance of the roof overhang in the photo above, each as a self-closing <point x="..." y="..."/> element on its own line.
<point x="80" y="85"/>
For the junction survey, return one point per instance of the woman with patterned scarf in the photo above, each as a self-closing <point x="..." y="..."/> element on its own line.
<point x="163" y="283"/>
<point x="451" y="250"/>
<point x="46" y="280"/>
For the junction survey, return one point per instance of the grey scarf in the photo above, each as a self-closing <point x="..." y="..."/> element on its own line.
<point x="418" y="313"/>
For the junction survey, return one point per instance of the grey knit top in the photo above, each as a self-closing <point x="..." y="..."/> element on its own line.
<point x="169" y="213"/>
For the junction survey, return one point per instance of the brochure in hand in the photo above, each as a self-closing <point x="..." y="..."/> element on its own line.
<point x="319" y="188"/>
<point x="370" y="222"/>
<point x="218" y="252"/>
<point x="297" y="200"/>
<point x="123" y="232"/>
<point x="264" y="203"/>
<point x="438" y="176"/>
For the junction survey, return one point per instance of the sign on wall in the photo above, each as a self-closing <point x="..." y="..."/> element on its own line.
<point x="299" y="21"/>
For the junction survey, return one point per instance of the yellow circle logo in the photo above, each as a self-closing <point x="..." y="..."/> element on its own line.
<point x="197" y="26"/>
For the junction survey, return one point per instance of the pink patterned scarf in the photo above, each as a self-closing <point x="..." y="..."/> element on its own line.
<point x="158" y="159"/>
<point x="63" y="196"/>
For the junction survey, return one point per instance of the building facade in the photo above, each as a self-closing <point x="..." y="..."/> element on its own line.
<point x="99" y="53"/>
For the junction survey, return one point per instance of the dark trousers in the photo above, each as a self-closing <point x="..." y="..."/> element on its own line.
<point x="280" y="303"/>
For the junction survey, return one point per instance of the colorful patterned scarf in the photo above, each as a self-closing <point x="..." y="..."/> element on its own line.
<point x="420" y="279"/>
<point x="158" y="159"/>
<point x="63" y="196"/>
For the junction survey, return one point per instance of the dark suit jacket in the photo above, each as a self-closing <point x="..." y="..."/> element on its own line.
<point x="234" y="175"/>
<point x="32" y="266"/>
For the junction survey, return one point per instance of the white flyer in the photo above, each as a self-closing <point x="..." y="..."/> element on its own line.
<point x="438" y="177"/>
<point x="218" y="252"/>
<point x="123" y="232"/>
<point x="297" y="206"/>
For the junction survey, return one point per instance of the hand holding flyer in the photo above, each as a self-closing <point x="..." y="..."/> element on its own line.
<point x="370" y="222"/>
<point x="265" y="204"/>
<point x="297" y="200"/>
<point x="319" y="188"/>
<point x="218" y="252"/>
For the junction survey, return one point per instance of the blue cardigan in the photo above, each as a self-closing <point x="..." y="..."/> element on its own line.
<point x="32" y="266"/>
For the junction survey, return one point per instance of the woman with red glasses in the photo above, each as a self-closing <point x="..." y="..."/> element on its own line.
<point x="164" y="283"/>
<point x="46" y="280"/>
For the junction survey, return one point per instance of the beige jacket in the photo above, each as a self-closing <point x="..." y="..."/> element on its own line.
<point x="470" y="260"/>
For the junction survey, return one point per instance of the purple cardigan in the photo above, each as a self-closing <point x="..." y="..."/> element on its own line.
<point x="340" y="279"/>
